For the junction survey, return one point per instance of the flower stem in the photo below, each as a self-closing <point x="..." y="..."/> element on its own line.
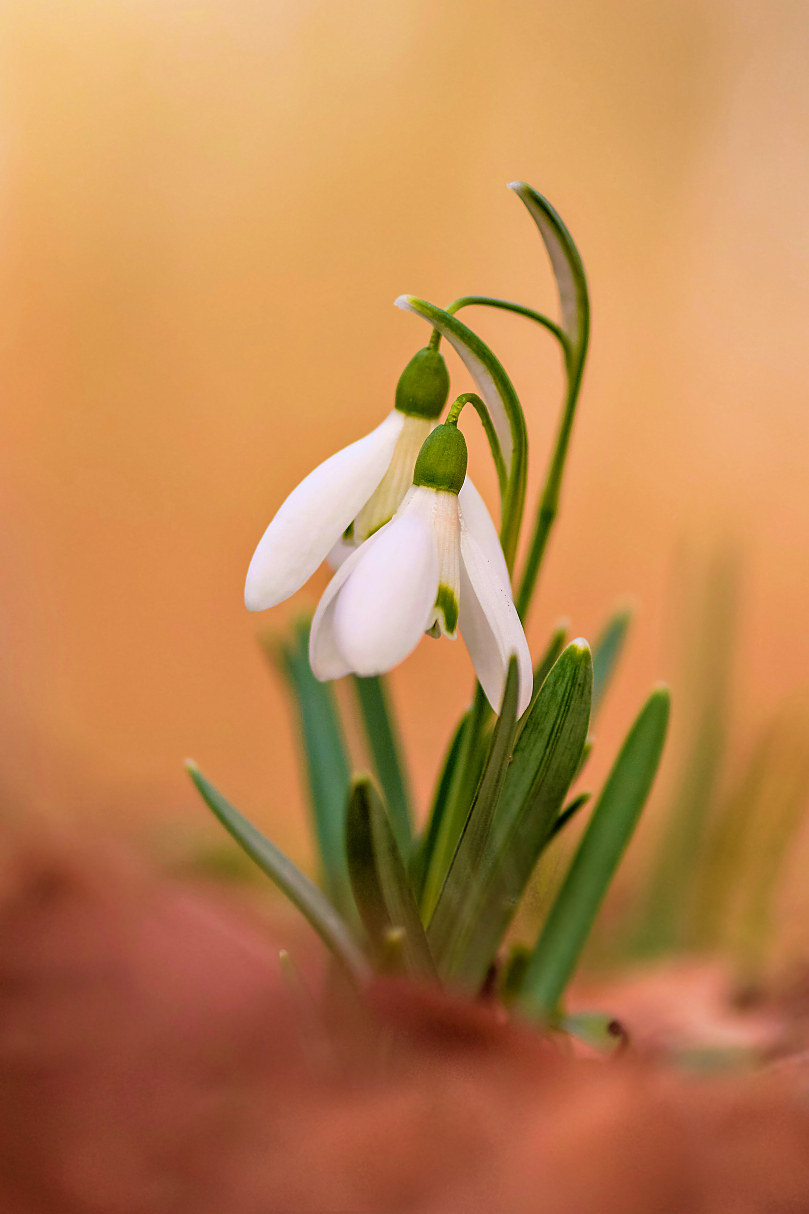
<point x="472" y="398"/>
<point x="549" y="501"/>
<point x="490" y="301"/>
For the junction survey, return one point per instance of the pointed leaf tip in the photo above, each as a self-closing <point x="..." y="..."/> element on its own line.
<point x="302" y="892"/>
<point x="381" y="888"/>
<point x="611" y="826"/>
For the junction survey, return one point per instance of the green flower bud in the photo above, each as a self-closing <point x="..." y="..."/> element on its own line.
<point x="423" y="386"/>
<point x="441" y="463"/>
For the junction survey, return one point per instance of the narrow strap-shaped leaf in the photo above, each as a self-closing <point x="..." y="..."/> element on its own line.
<point x="386" y="749"/>
<point x="426" y="845"/>
<point x="606" y="652"/>
<point x="706" y="696"/>
<point x="551" y="655"/>
<point x="451" y="909"/>
<point x="586" y="751"/>
<point x="465" y="779"/>
<point x="569" y="812"/>
<point x="327" y="766"/>
<point x="504" y="408"/>
<point x="511" y="972"/>
<point x="568" y="687"/>
<point x="381" y="888"/>
<point x="536" y="781"/>
<point x="610" y="828"/>
<point x="302" y="893"/>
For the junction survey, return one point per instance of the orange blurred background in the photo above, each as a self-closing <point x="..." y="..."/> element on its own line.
<point x="208" y="210"/>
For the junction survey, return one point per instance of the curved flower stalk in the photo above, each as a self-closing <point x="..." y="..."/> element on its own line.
<point x="507" y="433"/>
<point x="436" y="567"/>
<point x="353" y="493"/>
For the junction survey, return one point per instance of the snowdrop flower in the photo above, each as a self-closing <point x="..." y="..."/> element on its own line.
<point x="352" y="494"/>
<point x="437" y="567"/>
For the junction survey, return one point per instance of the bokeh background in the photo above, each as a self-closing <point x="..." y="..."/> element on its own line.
<point x="208" y="209"/>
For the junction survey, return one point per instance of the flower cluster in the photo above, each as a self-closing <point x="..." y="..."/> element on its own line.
<point x="413" y="543"/>
<point x="415" y="551"/>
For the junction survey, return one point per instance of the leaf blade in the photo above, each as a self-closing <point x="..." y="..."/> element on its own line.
<point x="386" y="750"/>
<point x="607" y="652"/>
<point x="302" y="893"/>
<point x="608" y="833"/>
<point x="550" y="657"/>
<point x="427" y="843"/>
<point x="379" y="881"/>
<point x="451" y="907"/>
<point x="543" y="765"/>
<point x="325" y="760"/>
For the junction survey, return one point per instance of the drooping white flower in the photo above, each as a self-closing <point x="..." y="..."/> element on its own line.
<point x="353" y="493"/>
<point x="436" y="567"/>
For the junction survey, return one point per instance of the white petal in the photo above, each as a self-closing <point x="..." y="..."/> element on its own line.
<point x="447" y="531"/>
<point x="490" y="626"/>
<point x="340" y="553"/>
<point x="478" y="523"/>
<point x="387" y="601"/>
<point x="325" y="658"/>
<point x="389" y="493"/>
<point x="316" y="514"/>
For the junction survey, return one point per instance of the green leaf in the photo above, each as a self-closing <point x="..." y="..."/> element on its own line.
<point x="737" y="886"/>
<point x="449" y="917"/>
<point x="549" y="658"/>
<point x="512" y="971"/>
<point x="610" y="828"/>
<point x="504" y="408"/>
<point x="607" y="651"/>
<point x="426" y="847"/>
<point x="563" y="703"/>
<point x="569" y="812"/>
<point x="705" y="713"/>
<point x="383" y="739"/>
<point x="586" y="751"/>
<point x="465" y="779"/>
<point x="536" y="781"/>
<point x="381" y="889"/>
<point x="327" y="765"/>
<point x="302" y="893"/>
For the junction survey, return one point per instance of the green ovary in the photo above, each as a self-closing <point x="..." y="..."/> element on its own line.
<point x="446" y="604"/>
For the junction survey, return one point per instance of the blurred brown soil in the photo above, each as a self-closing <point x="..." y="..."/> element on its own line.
<point x="153" y="1061"/>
